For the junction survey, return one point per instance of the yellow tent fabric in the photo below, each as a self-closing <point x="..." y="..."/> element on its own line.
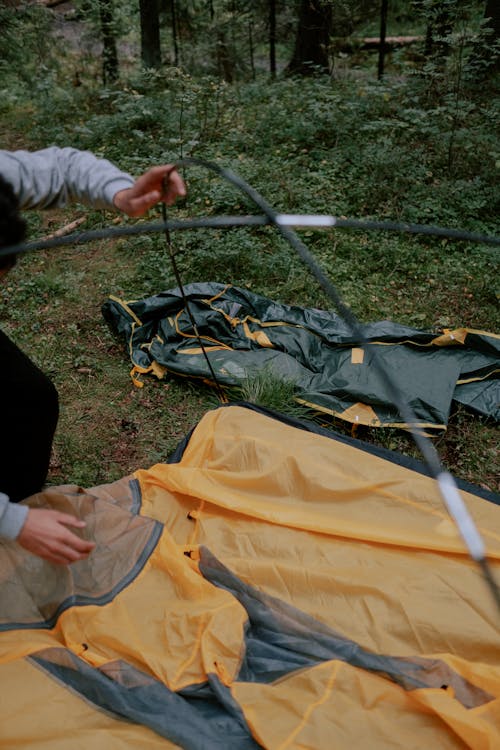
<point x="273" y="588"/>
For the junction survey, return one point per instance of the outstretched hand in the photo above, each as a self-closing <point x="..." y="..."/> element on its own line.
<point x="45" y="533"/>
<point x="157" y="184"/>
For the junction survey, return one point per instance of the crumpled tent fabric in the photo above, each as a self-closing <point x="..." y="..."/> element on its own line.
<point x="245" y="334"/>
<point x="274" y="586"/>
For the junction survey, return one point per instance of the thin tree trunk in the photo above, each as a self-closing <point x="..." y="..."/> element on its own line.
<point x="272" y="38"/>
<point x="174" y="32"/>
<point x="251" y="47"/>
<point x="383" y="30"/>
<point x="109" y="52"/>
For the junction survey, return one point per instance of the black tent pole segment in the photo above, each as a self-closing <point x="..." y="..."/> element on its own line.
<point x="315" y="221"/>
<point x="446" y="483"/>
<point x="220" y="391"/>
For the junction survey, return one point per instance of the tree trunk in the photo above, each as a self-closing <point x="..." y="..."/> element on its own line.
<point x="251" y="47"/>
<point x="272" y="38"/>
<point x="224" y="60"/>
<point x="312" y="42"/>
<point x="383" y="30"/>
<point x="173" y="14"/>
<point x="109" y="53"/>
<point x="150" y="33"/>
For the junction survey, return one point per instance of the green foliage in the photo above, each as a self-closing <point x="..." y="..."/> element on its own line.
<point x="419" y="146"/>
<point x="125" y="15"/>
<point x="26" y="51"/>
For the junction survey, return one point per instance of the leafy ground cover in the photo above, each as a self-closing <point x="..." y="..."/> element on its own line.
<point x="346" y="145"/>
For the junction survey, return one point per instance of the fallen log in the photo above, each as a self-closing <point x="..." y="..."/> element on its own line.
<point x="353" y="44"/>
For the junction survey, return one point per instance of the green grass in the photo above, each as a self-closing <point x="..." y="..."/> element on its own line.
<point x="271" y="392"/>
<point x="352" y="148"/>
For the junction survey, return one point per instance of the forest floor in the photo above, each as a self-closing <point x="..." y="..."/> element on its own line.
<point x="347" y="145"/>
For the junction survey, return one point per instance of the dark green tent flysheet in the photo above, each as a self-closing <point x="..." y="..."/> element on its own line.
<point x="244" y="334"/>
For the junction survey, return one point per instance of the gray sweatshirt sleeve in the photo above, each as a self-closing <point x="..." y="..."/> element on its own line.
<point x="54" y="177"/>
<point x="12" y="517"/>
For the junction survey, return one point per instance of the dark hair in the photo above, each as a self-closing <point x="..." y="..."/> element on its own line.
<point x="12" y="226"/>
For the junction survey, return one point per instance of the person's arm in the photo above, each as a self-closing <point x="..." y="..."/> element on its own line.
<point x="12" y="517"/>
<point x="43" y="532"/>
<point x="55" y="177"/>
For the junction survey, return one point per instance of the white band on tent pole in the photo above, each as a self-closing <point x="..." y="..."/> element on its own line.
<point x="458" y="511"/>
<point x="305" y="220"/>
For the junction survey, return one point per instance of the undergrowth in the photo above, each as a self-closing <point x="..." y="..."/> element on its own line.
<point x="346" y="145"/>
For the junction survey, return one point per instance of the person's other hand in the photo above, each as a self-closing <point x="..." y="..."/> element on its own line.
<point x="157" y="184"/>
<point x="45" y="533"/>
